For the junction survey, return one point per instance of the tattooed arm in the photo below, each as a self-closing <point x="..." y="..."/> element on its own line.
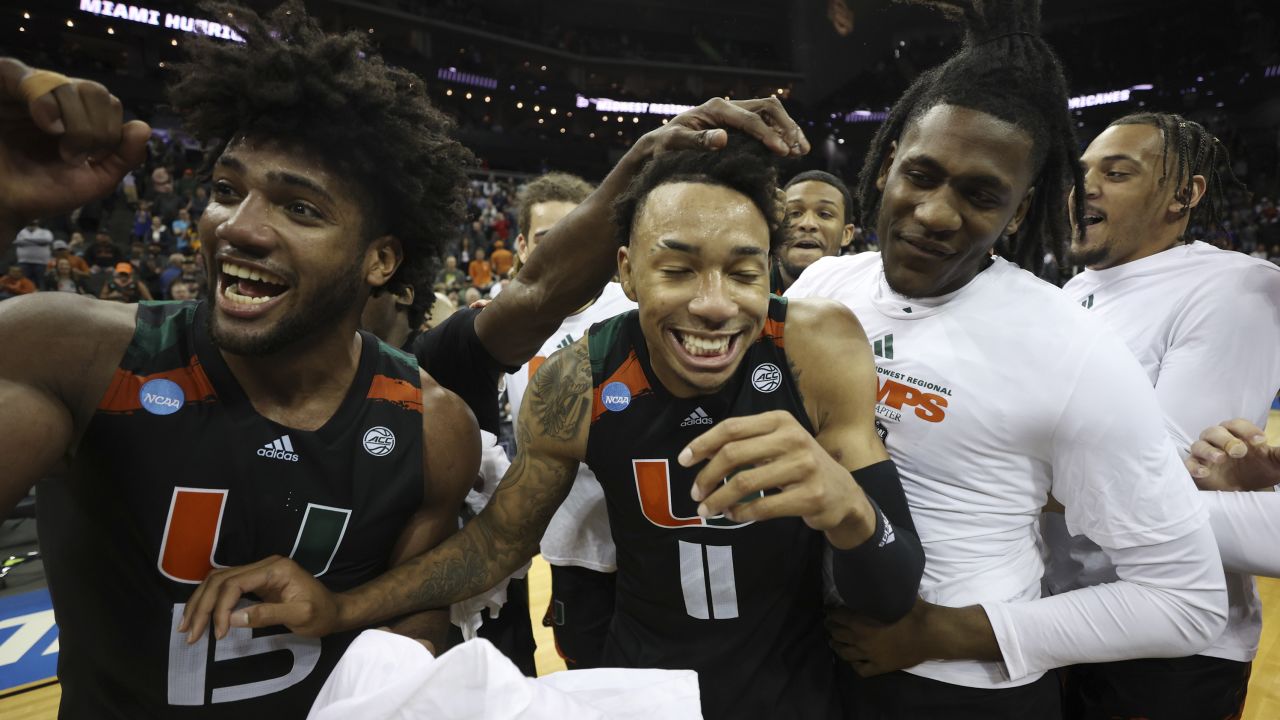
<point x="552" y="432"/>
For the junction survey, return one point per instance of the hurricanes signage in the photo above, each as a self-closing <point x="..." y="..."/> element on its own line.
<point x="148" y="16"/>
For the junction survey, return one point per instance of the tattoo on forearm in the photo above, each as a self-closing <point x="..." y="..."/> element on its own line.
<point x="507" y="532"/>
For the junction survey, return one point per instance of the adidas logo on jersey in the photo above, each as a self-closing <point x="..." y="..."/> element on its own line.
<point x="883" y="347"/>
<point x="565" y="341"/>
<point x="279" y="449"/>
<point x="697" y="417"/>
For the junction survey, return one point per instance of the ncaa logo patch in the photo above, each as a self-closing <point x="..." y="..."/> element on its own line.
<point x="766" y="377"/>
<point x="379" y="441"/>
<point x="616" y="396"/>
<point x="161" y="397"/>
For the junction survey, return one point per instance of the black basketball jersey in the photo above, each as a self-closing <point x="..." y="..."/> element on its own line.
<point x="741" y="603"/>
<point x="178" y="474"/>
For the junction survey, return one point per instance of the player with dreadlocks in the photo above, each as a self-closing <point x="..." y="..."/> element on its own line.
<point x="995" y="391"/>
<point x="1193" y="315"/>
<point x="200" y="435"/>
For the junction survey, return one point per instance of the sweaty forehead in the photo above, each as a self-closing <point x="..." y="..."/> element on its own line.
<point x="1140" y="142"/>
<point x="699" y="213"/>
<point x="971" y="142"/>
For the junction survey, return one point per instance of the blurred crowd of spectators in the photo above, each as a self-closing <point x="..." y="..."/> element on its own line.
<point x="140" y="243"/>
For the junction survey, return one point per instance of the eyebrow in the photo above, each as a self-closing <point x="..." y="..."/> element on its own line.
<point x="284" y="178"/>
<point x="822" y="201"/>
<point x="738" y="250"/>
<point x="990" y="181"/>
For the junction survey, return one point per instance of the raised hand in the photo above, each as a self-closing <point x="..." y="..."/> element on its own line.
<point x="62" y="144"/>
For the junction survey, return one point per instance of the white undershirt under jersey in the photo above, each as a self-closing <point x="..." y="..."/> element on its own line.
<point x="1204" y="324"/>
<point x="992" y="397"/>
<point x="579" y="531"/>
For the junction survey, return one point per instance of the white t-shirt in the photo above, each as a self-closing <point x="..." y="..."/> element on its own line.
<point x="1204" y="323"/>
<point x="579" y="531"/>
<point x="994" y="395"/>
<point x="34" y="245"/>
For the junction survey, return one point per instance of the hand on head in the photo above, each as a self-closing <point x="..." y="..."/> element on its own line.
<point x="704" y="127"/>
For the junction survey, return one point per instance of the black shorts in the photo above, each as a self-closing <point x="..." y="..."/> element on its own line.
<point x="903" y="696"/>
<point x="1187" y="688"/>
<point x="579" y="613"/>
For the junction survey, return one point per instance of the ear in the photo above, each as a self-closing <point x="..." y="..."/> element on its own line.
<point x="522" y="248"/>
<point x="882" y="178"/>
<point x="625" y="273"/>
<point x="1021" y="213"/>
<point x="847" y="236"/>
<point x="382" y="259"/>
<point x="1182" y="203"/>
<point x="404" y="298"/>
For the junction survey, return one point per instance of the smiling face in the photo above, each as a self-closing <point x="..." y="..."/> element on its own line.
<point x="697" y="266"/>
<point x="1129" y="212"/>
<point x="287" y="252"/>
<point x="954" y="182"/>
<point x="816" y="227"/>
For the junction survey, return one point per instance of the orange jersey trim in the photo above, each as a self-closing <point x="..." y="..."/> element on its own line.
<point x="630" y="374"/>
<point x="397" y="392"/>
<point x="122" y="393"/>
<point x="773" y="330"/>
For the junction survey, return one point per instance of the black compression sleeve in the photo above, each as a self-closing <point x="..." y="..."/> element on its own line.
<point x="881" y="576"/>
<point x="453" y="355"/>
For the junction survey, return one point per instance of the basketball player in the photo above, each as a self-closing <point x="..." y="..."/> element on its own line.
<point x="996" y="389"/>
<point x="723" y="577"/>
<point x="819" y="214"/>
<point x="267" y="400"/>
<point x="577" y="543"/>
<point x="1147" y="178"/>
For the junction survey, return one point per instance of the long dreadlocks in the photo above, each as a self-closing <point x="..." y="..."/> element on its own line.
<point x="1195" y="151"/>
<point x="1004" y="69"/>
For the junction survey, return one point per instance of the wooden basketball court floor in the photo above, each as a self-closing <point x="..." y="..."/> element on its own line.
<point x="41" y="702"/>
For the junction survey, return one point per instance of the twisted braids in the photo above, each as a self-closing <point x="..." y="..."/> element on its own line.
<point x="1195" y="151"/>
<point x="1004" y="69"/>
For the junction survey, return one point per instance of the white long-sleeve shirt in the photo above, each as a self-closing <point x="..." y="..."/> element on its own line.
<point x="1204" y="323"/>
<point x="995" y="395"/>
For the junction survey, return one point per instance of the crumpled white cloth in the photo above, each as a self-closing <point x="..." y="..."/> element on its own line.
<point x="384" y="676"/>
<point x="468" y="614"/>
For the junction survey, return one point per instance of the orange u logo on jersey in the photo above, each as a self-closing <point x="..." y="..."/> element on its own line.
<point x="653" y="486"/>
<point x="195" y="520"/>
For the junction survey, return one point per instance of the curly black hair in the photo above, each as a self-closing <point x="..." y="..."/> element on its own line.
<point x="332" y="96"/>
<point x="1004" y="69"/>
<point x="850" y="209"/>
<point x="743" y="165"/>
<point x="1195" y="151"/>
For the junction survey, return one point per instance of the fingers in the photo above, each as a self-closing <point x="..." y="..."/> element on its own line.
<point x="208" y="596"/>
<point x="1246" y="431"/>
<point x="92" y="117"/>
<point x="776" y="116"/>
<point x="742" y="497"/>
<point x="293" y="615"/>
<point x="724" y="473"/>
<point x="738" y="428"/>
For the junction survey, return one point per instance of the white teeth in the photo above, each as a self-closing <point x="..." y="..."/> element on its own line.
<point x="240" y="271"/>
<point x="235" y="297"/>
<point x="704" y="346"/>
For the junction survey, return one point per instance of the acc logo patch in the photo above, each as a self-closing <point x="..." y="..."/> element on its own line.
<point x="161" y="397"/>
<point x="616" y="396"/>
<point x="766" y="377"/>
<point x="379" y="441"/>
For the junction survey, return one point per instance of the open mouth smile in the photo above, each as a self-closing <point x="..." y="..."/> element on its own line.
<point x="704" y="351"/>
<point x="247" y="291"/>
